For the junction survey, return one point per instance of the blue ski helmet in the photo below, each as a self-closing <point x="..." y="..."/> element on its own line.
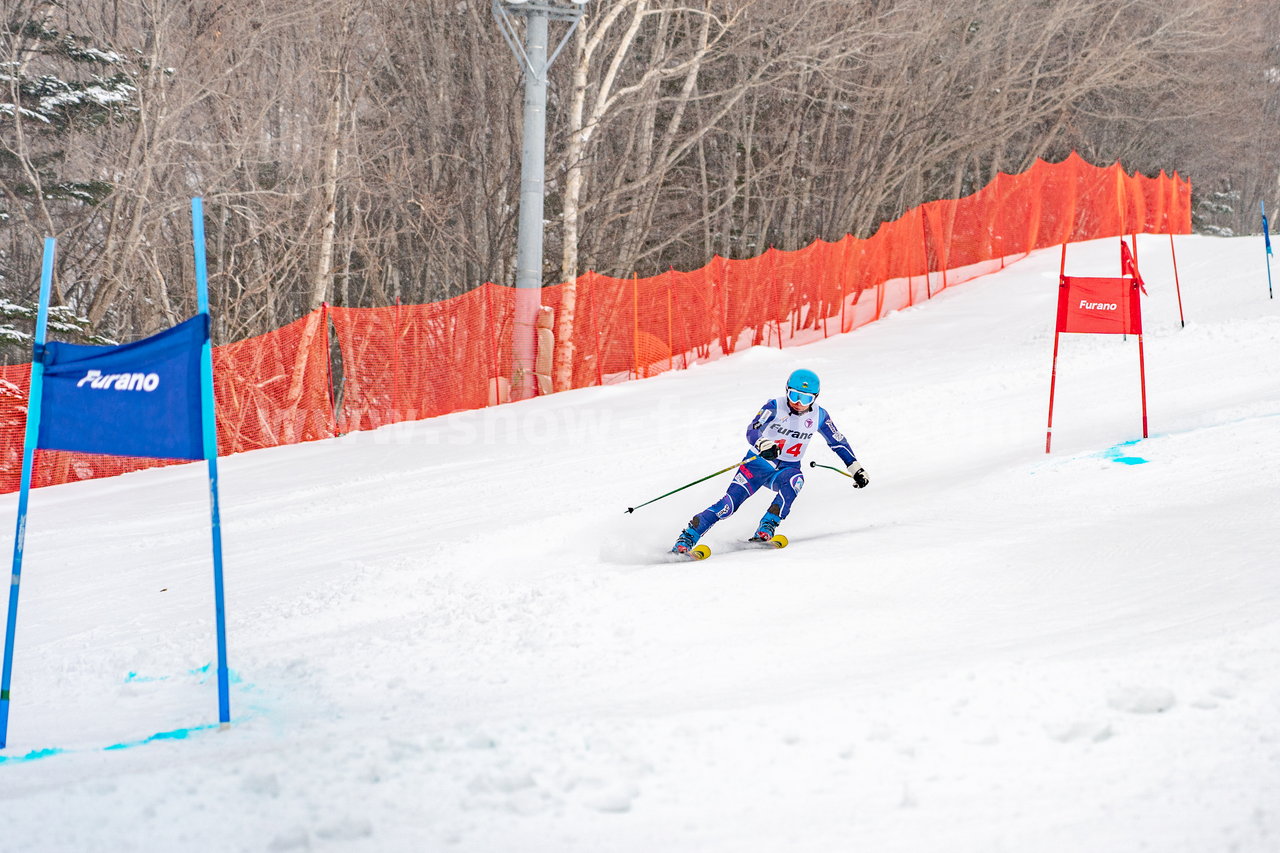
<point x="804" y="380"/>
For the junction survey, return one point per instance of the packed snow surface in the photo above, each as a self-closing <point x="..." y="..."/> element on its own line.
<point x="447" y="635"/>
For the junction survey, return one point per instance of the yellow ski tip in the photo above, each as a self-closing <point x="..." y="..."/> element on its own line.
<point x="700" y="552"/>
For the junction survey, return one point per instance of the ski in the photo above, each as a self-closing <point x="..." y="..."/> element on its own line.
<point x="697" y="552"/>
<point x="702" y="552"/>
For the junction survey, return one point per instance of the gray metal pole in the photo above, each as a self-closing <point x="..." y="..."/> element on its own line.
<point x="535" y="62"/>
<point x="532" y="191"/>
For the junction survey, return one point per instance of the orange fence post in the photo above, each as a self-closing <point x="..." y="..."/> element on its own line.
<point x="671" y="342"/>
<point x="393" y="415"/>
<point x="328" y="364"/>
<point x="924" y="237"/>
<point x="844" y="280"/>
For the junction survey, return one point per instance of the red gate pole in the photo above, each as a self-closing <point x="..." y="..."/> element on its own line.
<point x="1135" y="297"/>
<point x="1057" y="333"/>
<point x="1177" y="285"/>
<point x="1142" y="372"/>
<point x="1053" y="381"/>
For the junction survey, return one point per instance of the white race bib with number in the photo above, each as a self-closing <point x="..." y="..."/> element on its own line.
<point x="792" y="432"/>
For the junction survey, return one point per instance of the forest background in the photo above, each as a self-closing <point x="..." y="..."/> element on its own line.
<point x="367" y="152"/>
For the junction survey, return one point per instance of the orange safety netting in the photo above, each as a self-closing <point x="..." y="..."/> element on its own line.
<point x="641" y="326"/>
<point x="407" y="362"/>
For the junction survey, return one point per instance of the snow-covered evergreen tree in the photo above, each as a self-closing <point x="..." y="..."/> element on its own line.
<point x="54" y="82"/>
<point x="55" y="87"/>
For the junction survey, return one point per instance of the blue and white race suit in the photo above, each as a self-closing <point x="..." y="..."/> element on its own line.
<point x="793" y="433"/>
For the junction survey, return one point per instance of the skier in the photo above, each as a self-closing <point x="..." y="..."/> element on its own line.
<point x="778" y="436"/>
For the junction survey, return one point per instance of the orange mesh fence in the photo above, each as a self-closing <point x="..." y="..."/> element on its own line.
<point x="641" y="326"/>
<point x="274" y="389"/>
<point x="408" y="362"/>
<point x="269" y="390"/>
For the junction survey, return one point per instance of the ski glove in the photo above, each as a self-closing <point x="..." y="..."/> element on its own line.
<point x="859" y="474"/>
<point x="767" y="448"/>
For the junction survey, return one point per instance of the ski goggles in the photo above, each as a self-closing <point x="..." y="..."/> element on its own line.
<point x="800" y="398"/>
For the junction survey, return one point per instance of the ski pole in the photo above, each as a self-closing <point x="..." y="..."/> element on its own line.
<point x="839" y="471"/>
<point x="694" y="483"/>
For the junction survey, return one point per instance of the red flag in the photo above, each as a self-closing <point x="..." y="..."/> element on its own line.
<point x="1100" y="306"/>
<point x="1129" y="266"/>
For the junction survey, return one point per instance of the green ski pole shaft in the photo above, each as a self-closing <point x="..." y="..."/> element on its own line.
<point x="694" y="483"/>
<point x="839" y="471"/>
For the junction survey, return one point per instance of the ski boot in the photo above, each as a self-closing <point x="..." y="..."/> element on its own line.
<point x="687" y="541"/>
<point x="768" y="524"/>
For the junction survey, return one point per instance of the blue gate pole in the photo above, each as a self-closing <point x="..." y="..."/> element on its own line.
<point x="34" y="393"/>
<point x="1266" y="238"/>
<point x="209" y="431"/>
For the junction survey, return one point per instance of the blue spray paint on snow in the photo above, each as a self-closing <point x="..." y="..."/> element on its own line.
<point x="30" y="756"/>
<point x="233" y="677"/>
<point x="135" y="678"/>
<point x="175" y="734"/>
<point x="200" y="674"/>
<point x="1116" y="453"/>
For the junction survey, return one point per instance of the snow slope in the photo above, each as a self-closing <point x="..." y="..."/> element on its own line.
<point x="446" y="635"/>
